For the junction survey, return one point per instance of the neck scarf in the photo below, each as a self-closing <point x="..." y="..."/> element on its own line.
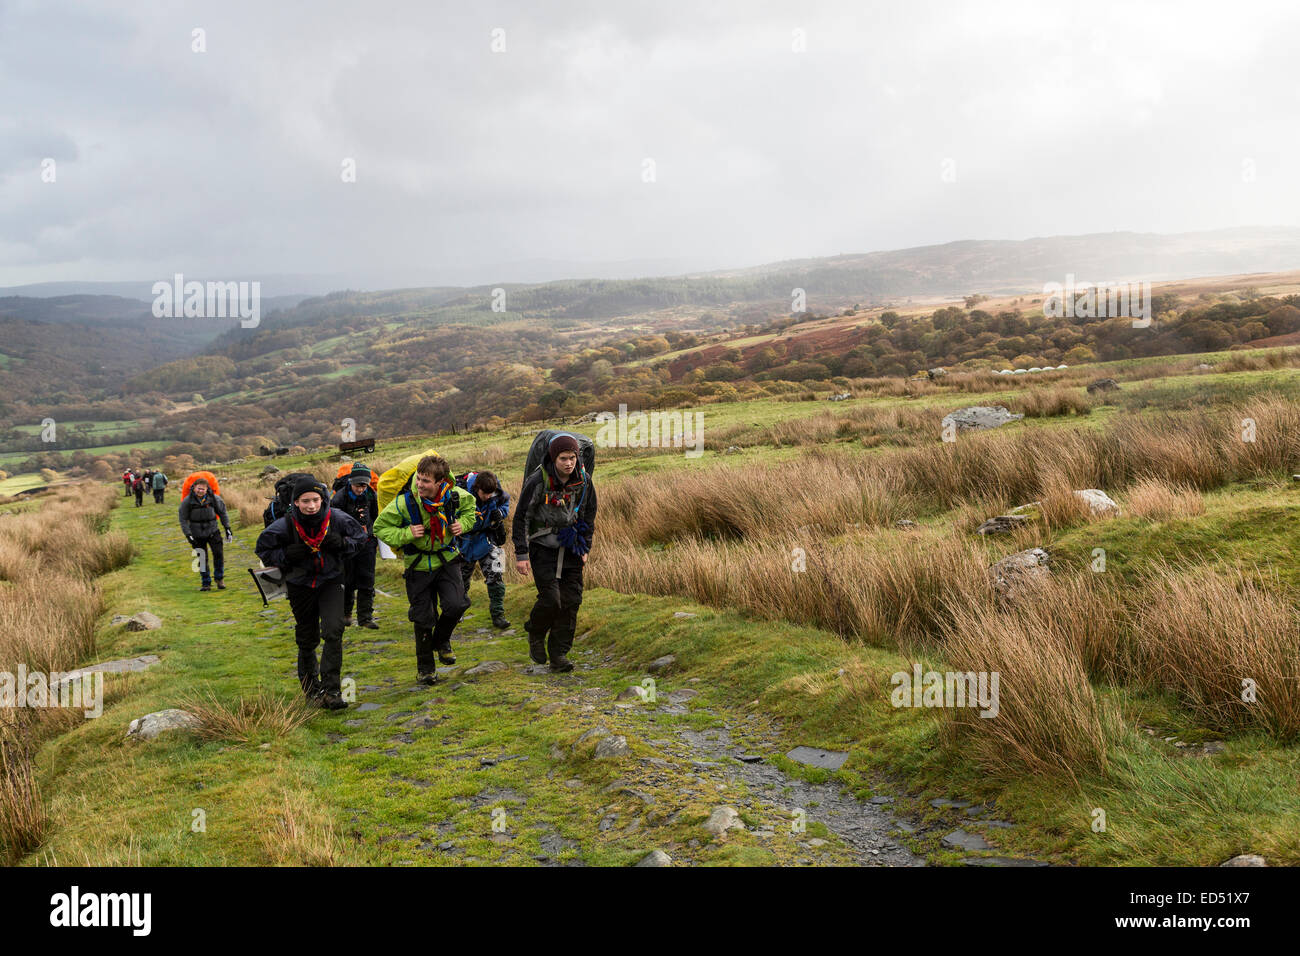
<point x="437" y="520"/>
<point x="314" y="539"/>
<point x="561" y="493"/>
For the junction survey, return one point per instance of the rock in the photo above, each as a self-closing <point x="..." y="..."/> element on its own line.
<point x="126" y="665"/>
<point x="816" y="757"/>
<point x="961" y="840"/>
<point x="151" y="725"/>
<point x="1245" y="859"/>
<point x="936" y="372"/>
<point x="1002" y="524"/>
<point x="487" y="667"/>
<point x="979" y="416"/>
<point x="1099" y="503"/>
<point x="270" y="470"/>
<point x="680" y="614"/>
<point x="144" y="621"/>
<point x="1102" y="385"/>
<point x="940" y="803"/>
<point x="662" y="664"/>
<point x="656" y="858"/>
<point x="732" y="450"/>
<point x="682" y="696"/>
<point x="1203" y="367"/>
<point x="1017" y="572"/>
<point x="904" y="523"/>
<point x="609" y="747"/>
<point x="841" y="397"/>
<point x="723" y="819"/>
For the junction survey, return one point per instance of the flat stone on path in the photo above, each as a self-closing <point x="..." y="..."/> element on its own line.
<point x="487" y="667"/>
<point x="962" y="840"/>
<point x="369" y="705"/>
<point x="816" y="757"/>
<point x="125" y="665"/>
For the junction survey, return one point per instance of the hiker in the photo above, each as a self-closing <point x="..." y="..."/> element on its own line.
<point x="481" y="544"/>
<point x="137" y="488"/>
<point x="310" y="545"/>
<point x="423" y="522"/>
<point x="159" y="487"/>
<point x="553" y="530"/>
<point x="200" y="512"/>
<point x="128" y="479"/>
<point x="357" y="499"/>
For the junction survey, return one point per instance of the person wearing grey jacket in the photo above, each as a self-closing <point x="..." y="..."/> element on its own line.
<point x="202" y="514"/>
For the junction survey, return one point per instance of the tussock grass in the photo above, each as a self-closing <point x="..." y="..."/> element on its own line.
<point x="1207" y="636"/>
<point x="249" y="719"/>
<point x="23" y="819"/>
<point x="302" y="834"/>
<point x="1158" y="500"/>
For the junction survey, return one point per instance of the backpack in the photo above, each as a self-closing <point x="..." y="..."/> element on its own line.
<point x="398" y="478"/>
<point x="345" y="469"/>
<point x="279" y="506"/>
<point x="449" y="508"/>
<point x="537" y="450"/>
<point x="207" y="476"/>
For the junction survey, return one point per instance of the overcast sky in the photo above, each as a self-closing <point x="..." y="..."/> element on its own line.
<point x="899" y="124"/>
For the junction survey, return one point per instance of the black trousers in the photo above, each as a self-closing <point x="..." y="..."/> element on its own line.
<point x="359" y="583"/>
<point x="217" y="566"/>
<point x="318" y="617"/>
<point x="158" y="495"/>
<point x="427" y="591"/>
<point x="558" y="600"/>
<point x="139" y="498"/>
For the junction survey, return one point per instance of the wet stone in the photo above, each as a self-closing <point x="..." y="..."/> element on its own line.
<point x="962" y="840"/>
<point x="816" y="757"/>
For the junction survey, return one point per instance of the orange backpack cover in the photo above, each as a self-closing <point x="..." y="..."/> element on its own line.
<point x="207" y="476"/>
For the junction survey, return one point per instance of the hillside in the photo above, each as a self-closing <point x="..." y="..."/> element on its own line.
<point x="786" y="614"/>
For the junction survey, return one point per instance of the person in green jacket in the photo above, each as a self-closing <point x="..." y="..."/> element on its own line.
<point x="422" y="523"/>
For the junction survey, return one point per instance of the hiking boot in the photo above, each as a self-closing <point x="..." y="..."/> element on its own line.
<point x="347" y="620"/>
<point x="537" y="649"/>
<point x="428" y="678"/>
<point x="500" y="623"/>
<point x="221" y="585"/>
<point x="333" y="700"/>
<point x="205" y="587"/>
<point x="370" y="623"/>
<point x="445" y="655"/>
<point x="561" y="664"/>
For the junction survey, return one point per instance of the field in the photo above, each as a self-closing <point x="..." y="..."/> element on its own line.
<point x="813" y="551"/>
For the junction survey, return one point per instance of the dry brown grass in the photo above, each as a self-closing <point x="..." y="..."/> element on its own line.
<point x="249" y="501"/>
<point x="1158" y="500"/>
<point x="1053" y="401"/>
<point x="1049" y="719"/>
<point x="302" y="834"/>
<point x="1204" y="635"/>
<point x="248" y="719"/>
<point x="23" y="819"/>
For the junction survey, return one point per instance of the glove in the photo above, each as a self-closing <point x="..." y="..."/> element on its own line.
<point x="297" y="552"/>
<point x="193" y="541"/>
<point x="230" y="535"/>
<point x="333" y="540"/>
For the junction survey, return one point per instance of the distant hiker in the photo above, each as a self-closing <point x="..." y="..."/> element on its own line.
<point x="202" y="514"/>
<point x="159" y="487"/>
<point x="128" y="479"/>
<point x="310" y="545"/>
<point x="553" y="529"/>
<point x="357" y="499"/>
<point x="137" y="487"/>
<point x="481" y="544"/>
<point x="422" y="522"/>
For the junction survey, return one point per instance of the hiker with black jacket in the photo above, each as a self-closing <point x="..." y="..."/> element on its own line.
<point x="481" y="544"/>
<point x="554" y="525"/>
<point x="422" y="522"/>
<point x="137" y="486"/>
<point x="202" y="514"/>
<point x="358" y="500"/>
<point x="310" y="545"/>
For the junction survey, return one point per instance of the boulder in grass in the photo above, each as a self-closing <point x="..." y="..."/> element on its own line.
<point x="979" y="417"/>
<point x="1102" y="385"/>
<point x="151" y="725"/>
<point x="656" y="858"/>
<point x="1018" y="572"/>
<point x="1003" y="524"/>
<point x="1099" y="503"/>
<point x="723" y="819"/>
<point x="144" y="621"/>
<point x="1245" y="859"/>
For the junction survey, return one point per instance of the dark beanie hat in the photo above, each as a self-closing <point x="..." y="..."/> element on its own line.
<point x="359" y="473"/>
<point x="560" y="444"/>
<point x="306" y="484"/>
